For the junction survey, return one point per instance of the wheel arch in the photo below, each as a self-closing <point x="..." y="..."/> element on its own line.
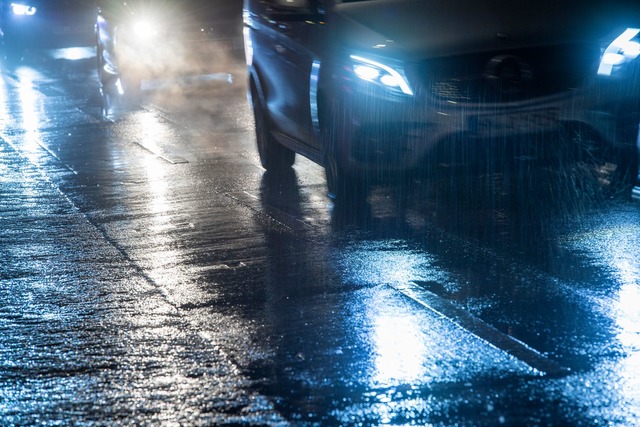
<point x="255" y="86"/>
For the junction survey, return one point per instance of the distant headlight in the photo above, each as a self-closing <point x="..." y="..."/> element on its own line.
<point x="380" y="74"/>
<point x="23" y="9"/>
<point x="624" y="49"/>
<point x="144" y="30"/>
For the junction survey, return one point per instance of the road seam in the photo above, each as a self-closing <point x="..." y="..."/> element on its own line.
<point x="482" y="330"/>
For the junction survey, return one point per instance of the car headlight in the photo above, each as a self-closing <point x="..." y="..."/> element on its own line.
<point x="380" y="74"/>
<point x="620" y="52"/>
<point x="144" y="30"/>
<point x="23" y="9"/>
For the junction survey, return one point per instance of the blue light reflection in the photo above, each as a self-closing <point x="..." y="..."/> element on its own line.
<point x="614" y="249"/>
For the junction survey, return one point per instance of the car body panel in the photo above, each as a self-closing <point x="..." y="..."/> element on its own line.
<point x="288" y="94"/>
<point x="486" y="72"/>
<point x="419" y="29"/>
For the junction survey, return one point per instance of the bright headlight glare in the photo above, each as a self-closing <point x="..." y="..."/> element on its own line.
<point x="23" y="9"/>
<point x="144" y="30"/>
<point x="624" y="49"/>
<point x="366" y="72"/>
<point x="380" y="74"/>
<point x="391" y="81"/>
<point x="631" y="49"/>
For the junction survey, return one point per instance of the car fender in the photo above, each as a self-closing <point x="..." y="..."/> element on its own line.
<point x="255" y="85"/>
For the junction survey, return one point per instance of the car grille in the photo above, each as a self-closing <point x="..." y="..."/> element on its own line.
<point x="506" y="76"/>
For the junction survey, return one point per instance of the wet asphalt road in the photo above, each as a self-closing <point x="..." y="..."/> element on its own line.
<point x="152" y="274"/>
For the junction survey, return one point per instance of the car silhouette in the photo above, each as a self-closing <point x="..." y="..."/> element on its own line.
<point x="374" y="89"/>
<point x="139" y="40"/>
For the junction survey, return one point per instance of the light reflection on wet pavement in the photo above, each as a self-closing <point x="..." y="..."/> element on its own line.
<point x="86" y="337"/>
<point x="152" y="274"/>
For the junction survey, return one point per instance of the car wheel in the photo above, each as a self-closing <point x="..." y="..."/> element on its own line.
<point x="121" y="91"/>
<point x="273" y="155"/>
<point x="625" y="176"/>
<point x="100" y="63"/>
<point x="344" y="185"/>
<point x="610" y="172"/>
<point x="108" y="88"/>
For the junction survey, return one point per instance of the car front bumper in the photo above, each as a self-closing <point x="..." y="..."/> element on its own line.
<point x="407" y="132"/>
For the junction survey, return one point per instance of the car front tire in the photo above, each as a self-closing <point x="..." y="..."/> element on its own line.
<point x="345" y="185"/>
<point x="273" y="155"/>
<point x="612" y="171"/>
<point x="108" y="90"/>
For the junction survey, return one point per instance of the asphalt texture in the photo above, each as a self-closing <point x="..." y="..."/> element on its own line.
<point x="85" y="337"/>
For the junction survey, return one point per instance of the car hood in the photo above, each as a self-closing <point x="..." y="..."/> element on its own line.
<point x="417" y="29"/>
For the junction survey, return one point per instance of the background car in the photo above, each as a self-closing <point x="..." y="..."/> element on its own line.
<point x="147" y="39"/>
<point x="373" y="89"/>
<point x="29" y="24"/>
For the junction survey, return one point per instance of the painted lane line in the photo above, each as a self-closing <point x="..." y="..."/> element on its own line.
<point x="482" y="330"/>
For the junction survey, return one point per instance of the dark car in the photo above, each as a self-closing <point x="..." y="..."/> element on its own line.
<point x="141" y="40"/>
<point x="27" y="24"/>
<point x="372" y="89"/>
